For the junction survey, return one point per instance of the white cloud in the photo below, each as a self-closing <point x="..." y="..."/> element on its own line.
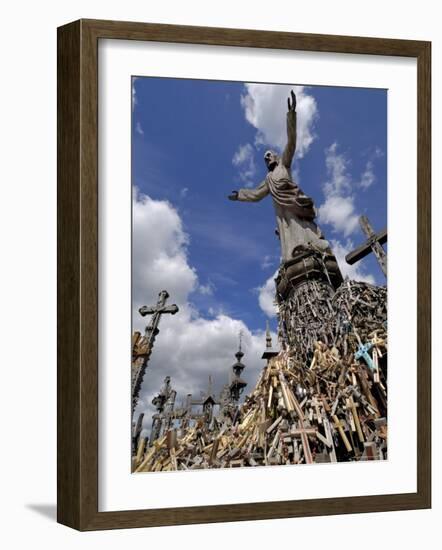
<point x="367" y="177"/>
<point x="337" y="169"/>
<point x="244" y="160"/>
<point x="378" y="153"/>
<point x="134" y="92"/>
<point x="338" y="209"/>
<point x="139" y="129"/>
<point x="340" y="213"/>
<point x="265" y="108"/>
<point x="188" y="347"/>
<point x="184" y="192"/>
<point x="159" y="253"/>
<point x="266" y="296"/>
<point x="355" y="271"/>
<point x="207" y="289"/>
<point x="268" y="261"/>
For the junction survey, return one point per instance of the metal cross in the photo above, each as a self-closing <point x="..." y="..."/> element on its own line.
<point x="373" y="244"/>
<point x="151" y="332"/>
<point x="164" y="402"/>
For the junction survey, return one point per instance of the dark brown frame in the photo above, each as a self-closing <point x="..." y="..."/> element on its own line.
<point x="78" y="269"/>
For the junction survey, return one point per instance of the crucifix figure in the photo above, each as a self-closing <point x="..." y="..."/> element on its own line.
<point x="151" y="332"/>
<point x="373" y="244"/>
<point x="295" y="211"/>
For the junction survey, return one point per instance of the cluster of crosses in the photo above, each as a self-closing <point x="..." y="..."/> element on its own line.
<point x="193" y="410"/>
<point x="201" y="410"/>
<point x="167" y="416"/>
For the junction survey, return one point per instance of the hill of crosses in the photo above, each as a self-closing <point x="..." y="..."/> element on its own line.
<point x="322" y="393"/>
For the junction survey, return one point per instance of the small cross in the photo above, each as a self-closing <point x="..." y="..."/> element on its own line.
<point x="373" y="244"/>
<point x="363" y="353"/>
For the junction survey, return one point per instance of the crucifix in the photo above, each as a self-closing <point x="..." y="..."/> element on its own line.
<point x="150" y="334"/>
<point x="164" y="402"/>
<point x="373" y="244"/>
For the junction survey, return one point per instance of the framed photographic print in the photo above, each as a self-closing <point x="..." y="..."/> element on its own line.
<point x="228" y="346"/>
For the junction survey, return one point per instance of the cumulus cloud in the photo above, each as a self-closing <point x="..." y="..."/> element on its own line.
<point x="189" y="347"/>
<point x="266" y="296"/>
<point x="265" y="108"/>
<point x="244" y="160"/>
<point x="355" y="271"/>
<point x="159" y="252"/>
<point x="340" y="213"/>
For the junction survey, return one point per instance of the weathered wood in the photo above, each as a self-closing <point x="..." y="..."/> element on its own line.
<point x="373" y="244"/>
<point x="338" y="425"/>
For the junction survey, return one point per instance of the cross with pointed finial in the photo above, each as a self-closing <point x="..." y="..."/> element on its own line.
<point x="237" y="385"/>
<point x="269" y="351"/>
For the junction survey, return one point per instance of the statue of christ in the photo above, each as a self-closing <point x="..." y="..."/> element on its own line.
<point x="295" y="211"/>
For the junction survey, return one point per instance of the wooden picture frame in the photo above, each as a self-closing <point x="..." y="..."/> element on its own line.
<point x="78" y="274"/>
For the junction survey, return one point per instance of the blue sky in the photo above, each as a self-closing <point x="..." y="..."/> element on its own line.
<point x="185" y="135"/>
<point x="193" y="142"/>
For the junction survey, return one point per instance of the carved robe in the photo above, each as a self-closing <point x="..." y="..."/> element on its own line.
<point x="295" y="212"/>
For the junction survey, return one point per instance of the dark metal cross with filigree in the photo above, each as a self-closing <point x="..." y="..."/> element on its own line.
<point x="150" y="334"/>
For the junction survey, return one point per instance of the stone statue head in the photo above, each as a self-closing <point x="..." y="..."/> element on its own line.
<point x="271" y="159"/>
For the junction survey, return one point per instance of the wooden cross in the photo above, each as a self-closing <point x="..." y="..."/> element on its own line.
<point x="340" y="427"/>
<point x="373" y="244"/>
<point x="303" y="432"/>
<point x="150" y="334"/>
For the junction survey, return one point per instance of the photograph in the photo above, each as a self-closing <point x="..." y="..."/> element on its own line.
<point x="259" y="331"/>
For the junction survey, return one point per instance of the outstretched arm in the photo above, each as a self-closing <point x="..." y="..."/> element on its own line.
<point x="251" y="195"/>
<point x="290" y="148"/>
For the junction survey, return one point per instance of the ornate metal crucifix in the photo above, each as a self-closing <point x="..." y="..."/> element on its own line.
<point x="150" y="334"/>
<point x="373" y="244"/>
<point x="164" y="402"/>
